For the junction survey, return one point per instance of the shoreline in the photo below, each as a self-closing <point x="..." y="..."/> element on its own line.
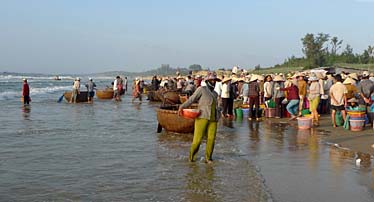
<point x="359" y="142"/>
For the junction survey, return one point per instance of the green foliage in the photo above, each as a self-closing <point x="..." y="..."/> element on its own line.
<point x="318" y="53"/>
<point x="195" y="67"/>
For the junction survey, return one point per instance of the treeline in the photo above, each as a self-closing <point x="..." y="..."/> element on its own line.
<point x="322" y="50"/>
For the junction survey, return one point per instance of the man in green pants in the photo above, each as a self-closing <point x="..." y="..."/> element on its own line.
<point x="206" y="123"/>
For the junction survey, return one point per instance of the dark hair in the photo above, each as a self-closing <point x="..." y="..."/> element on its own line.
<point x="117" y="77"/>
<point x="266" y="77"/>
<point x="338" y="77"/>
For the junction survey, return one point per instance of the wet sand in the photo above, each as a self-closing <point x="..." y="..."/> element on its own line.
<point x="357" y="141"/>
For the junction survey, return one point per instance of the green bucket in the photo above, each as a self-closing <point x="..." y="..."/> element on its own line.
<point x="239" y="112"/>
<point x="305" y="111"/>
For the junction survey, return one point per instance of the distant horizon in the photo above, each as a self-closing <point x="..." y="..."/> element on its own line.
<point x="80" y="37"/>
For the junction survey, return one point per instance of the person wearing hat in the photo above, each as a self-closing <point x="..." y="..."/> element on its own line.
<point x="314" y="97"/>
<point x="354" y="77"/>
<point x="352" y="104"/>
<point x="180" y="83"/>
<point x="244" y="91"/>
<point x="254" y="97"/>
<point x="116" y="94"/>
<point x="76" y="90"/>
<point x="351" y="88"/>
<point x="301" y="84"/>
<point x="234" y="93"/>
<point x="225" y="97"/>
<point x="206" y="123"/>
<point x="365" y="89"/>
<point x="293" y="99"/>
<point x="136" y="93"/>
<point x="278" y="96"/>
<point x="90" y="85"/>
<point x="26" y="92"/>
<point x="260" y="80"/>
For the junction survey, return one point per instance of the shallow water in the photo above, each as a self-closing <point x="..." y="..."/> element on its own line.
<point x="110" y="151"/>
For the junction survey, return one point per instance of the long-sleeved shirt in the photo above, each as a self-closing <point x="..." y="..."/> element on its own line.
<point x="268" y="89"/>
<point x="278" y="93"/>
<point x="206" y="99"/>
<point x="25" y="90"/>
<point x="225" y="93"/>
<point x="253" y="89"/>
<point x="314" y="90"/>
<point x="292" y="92"/>
<point x="77" y="85"/>
<point x="244" y="90"/>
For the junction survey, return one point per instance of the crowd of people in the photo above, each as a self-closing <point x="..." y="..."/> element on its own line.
<point x="316" y="91"/>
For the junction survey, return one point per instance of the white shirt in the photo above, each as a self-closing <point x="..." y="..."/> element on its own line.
<point x="225" y="93"/>
<point x="218" y="88"/>
<point x="115" y="85"/>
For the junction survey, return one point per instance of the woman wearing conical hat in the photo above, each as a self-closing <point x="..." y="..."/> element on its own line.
<point x="278" y="96"/>
<point x="351" y="88"/>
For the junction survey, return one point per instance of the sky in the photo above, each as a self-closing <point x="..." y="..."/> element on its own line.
<point x="89" y="36"/>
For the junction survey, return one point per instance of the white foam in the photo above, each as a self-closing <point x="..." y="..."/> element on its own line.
<point x="33" y="91"/>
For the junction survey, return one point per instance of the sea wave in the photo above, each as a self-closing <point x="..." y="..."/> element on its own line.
<point x="8" y="95"/>
<point x="28" y="77"/>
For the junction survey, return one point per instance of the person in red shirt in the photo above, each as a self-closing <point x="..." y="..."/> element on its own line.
<point x="293" y="100"/>
<point x="26" y="92"/>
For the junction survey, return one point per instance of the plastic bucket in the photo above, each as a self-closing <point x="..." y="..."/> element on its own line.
<point x="356" y="125"/>
<point x="245" y="112"/>
<point x="357" y="114"/>
<point x="238" y="112"/>
<point x="269" y="112"/>
<point x="304" y="122"/>
<point x="305" y="111"/>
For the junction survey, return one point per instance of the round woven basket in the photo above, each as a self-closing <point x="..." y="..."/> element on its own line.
<point x="172" y="122"/>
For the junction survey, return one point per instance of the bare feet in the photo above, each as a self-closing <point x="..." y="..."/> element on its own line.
<point x="208" y="161"/>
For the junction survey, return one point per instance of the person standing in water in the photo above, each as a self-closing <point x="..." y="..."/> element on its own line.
<point x="76" y="90"/>
<point x="90" y="88"/>
<point x="136" y="93"/>
<point x="26" y="92"/>
<point x="206" y="123"/>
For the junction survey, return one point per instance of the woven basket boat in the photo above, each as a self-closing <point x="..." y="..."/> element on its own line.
<point x="105" y="94"/>
<point x="81" y="97"/>
<point x="171" y="122"/>
<point x="153" y="96"/>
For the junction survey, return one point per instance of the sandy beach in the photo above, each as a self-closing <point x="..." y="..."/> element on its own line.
<point x="356" y="141"/>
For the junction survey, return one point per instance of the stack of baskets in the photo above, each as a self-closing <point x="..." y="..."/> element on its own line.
<point x="356" y="120"/>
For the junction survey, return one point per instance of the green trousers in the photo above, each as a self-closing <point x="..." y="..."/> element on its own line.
<point x="203" y="127"/>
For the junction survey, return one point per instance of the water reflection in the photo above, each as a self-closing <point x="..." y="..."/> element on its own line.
<point x="254" y="131"/>
<point x="136" y="106"/>
<point x="200" y="184"/>
<point x="227" y="122"/>
<point x="26" y="109"/>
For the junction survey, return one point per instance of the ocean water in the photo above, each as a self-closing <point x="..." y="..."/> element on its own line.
<point x="110" y="151"/>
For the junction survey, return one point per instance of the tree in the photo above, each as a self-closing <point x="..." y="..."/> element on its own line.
<point x="336" y="45"/>
<point x="315" y="50"/>
<point x="365" y="57"/>
<point x="348" y="55"/>
<point x="371" y="54"/>
<point x="195" y="67"/>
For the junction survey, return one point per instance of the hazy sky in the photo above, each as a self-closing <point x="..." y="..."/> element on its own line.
<point x="85" y="36"/>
